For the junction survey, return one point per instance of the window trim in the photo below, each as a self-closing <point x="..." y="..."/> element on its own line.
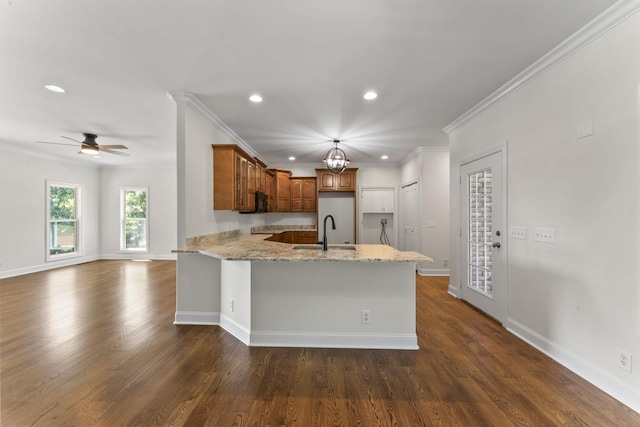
<point x="123" y="248"/>
<point x="78" y="221"/>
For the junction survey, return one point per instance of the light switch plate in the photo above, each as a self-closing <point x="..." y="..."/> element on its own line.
<point x="546" y="235"/>
<point x="518" y="232"/>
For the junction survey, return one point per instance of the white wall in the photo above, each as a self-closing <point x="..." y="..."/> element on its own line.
<point x="161" y="182"/>
<point x="22" y="210"/>
<point x="577" y="299"/>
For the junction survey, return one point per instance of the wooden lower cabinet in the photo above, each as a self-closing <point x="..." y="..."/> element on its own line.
<point x="304" y="237"/>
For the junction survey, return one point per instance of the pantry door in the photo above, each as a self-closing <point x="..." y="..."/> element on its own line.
<point x="483" y="236"/>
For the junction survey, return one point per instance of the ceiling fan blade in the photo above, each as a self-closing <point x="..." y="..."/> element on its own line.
<point x="119" y="147"/>
<point x="107" y="150"/>
<point x="56" y="143"/>
<point x="66" y="137"/>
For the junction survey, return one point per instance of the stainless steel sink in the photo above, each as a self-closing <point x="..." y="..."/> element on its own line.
<point x="329" y="247"/>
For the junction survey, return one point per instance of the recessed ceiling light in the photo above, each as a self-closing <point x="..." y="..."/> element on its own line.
<point x="54" y="88"/>
<point x="255" y="98"/>
<point x="291" y="158"/>
<point x="370" y="95"/>
<point x="384" y="157"/>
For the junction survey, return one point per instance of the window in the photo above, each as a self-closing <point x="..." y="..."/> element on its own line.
<point x="134" y="227"/>
<point x="63" y="217"/>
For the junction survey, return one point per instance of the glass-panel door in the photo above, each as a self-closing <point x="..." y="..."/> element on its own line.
<point x="481" y="235"/>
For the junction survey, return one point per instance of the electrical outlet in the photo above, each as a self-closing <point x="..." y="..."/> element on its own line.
<point x="383" y="221"/>
<point x="232" y="305"/>
<point x="445" y="262"/>
<point x="546" y="235"/>
<point x="518" y="232"/>
<point x="624" y="360"/>
<point x="366" y="316"/>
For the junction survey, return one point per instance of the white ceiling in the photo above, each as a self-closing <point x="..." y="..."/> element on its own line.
<point x="429" y="60"/>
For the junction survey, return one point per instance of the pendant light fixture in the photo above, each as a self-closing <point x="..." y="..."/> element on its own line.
<point x="336" y="159"/>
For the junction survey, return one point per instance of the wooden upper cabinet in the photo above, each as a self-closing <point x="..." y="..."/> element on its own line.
<point x="282" y="190"/>
<point x="303" y="194"/>
<point x="250" y="204"/>
<point x="270" y="189"/>
<point x="232" y="168"/>
<point x="261" y="175"/>
<point x="329" y="181"/>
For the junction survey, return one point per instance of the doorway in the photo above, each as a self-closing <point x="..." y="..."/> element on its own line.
<point x="483" y="235"/>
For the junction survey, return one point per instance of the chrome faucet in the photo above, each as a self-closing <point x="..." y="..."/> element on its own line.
<point x="324" y="236"/>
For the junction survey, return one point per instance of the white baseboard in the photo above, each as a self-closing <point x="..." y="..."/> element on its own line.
<point x="48" y="266"/>
<point x="433" y="271"/>
<point x="606" y="382"/>
<point x="196" y="318"/>
<point x="159" y="257"/>
<point x="80" y="260"/>
<point x="453" y="291"/>
<point x="235" y="329"/>
<point x="334" y="340"/>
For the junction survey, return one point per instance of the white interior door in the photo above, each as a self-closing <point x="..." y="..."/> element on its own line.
<point x="483" y="235"/>
<point x="410" y="222"/>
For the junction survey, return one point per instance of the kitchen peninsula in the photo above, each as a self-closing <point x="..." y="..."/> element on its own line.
<point x="268" y="293"/>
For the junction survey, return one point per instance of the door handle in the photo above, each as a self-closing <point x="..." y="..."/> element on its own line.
<point x="496" y="244"/>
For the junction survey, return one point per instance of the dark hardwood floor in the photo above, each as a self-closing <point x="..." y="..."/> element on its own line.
<point x="94" y="345"/>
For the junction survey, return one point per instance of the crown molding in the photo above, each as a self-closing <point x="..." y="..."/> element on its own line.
<point x="608" y="19"/>
<point x="187" y="98"/>
<point x="420" y="150"/>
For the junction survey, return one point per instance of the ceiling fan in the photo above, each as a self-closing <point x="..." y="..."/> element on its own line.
<point x="90" y="146"/>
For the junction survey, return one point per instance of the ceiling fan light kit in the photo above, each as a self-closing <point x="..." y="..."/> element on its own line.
<point x="336" y="159"/>
<point x="89" y="149"/>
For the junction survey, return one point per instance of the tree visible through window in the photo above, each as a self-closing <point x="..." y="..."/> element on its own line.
<point x="134" y="219"/>
<point x="63" y="219"/>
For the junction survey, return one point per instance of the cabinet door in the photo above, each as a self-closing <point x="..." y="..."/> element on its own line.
<point x="346" y="181"/>
<point x="250" y="204"/>
<point x="367" y="201"/>
<point x="309" y="195"/>
<point x="306" y="237"/>
<point x="270" y="189"/>
<point x="327" y="181"/>
<point x="283" y="192"/>
<point x="240" y="171"/>
<point x="296" y="194"/>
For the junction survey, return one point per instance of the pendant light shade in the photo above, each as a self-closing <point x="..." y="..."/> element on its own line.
<point x="336" y="159"/>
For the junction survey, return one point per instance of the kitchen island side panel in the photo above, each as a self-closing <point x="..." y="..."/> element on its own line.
<point x="321" y="304"/>
<point x="197" y="290"/>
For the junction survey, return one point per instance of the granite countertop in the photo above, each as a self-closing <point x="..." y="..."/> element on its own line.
<point x="232" y="245"/>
